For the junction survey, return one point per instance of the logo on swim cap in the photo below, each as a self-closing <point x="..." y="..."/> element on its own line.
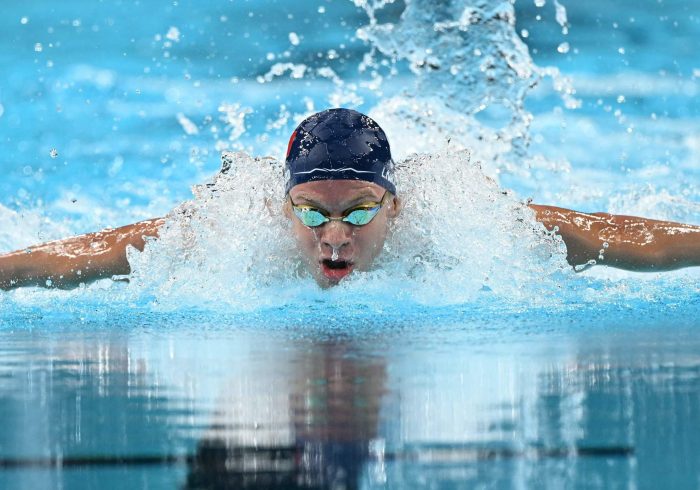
<point x="289" y="145"/>
<point x="339" y="144"/>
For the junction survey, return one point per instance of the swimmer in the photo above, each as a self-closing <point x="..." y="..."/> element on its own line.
<point x="340" y="199"/>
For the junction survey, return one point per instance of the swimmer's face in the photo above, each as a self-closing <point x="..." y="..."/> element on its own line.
<point x="333" y="250"/>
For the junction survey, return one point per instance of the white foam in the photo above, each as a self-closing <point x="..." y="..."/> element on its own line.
<point x="458" y="237"/>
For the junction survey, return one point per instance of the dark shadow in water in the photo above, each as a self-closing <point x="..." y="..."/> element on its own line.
<point x="320" y="440"/>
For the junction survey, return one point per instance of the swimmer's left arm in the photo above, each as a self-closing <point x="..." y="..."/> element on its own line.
<point x="633" y="243"/>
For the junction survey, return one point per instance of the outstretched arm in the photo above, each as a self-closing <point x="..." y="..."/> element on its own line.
<point x="80" y="259"/>
<point x="633" y="243"/>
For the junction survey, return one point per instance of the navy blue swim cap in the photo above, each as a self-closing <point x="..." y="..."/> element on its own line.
<point x="339" y="144"/>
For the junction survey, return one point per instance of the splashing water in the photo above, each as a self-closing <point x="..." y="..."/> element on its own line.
<point x="460" y="238"/>
<point x="472" y="76"/>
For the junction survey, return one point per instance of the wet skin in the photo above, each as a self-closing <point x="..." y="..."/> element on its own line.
<point x="334" y="249"/>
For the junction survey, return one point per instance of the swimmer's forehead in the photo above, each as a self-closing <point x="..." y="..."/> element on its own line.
<point x="336" y="193"/>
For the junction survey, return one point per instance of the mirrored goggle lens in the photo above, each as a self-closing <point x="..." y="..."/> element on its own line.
<point x="361" y="217"/>
<point x="310" y="217"/>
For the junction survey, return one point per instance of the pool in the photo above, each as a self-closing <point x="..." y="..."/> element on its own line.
<point x="473" y="357"/>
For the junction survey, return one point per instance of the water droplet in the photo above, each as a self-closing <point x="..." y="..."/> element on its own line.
<point x="173" y="34"/>
<point x="53" y="153"/>
<point x="621" y="50"/>
<point x="563" y="48"/>
<point x="294" y="38"/>
<point x="620" y="99"/>
<point x="76" y="23"/>
<point x="24" y="20"/>
<point x="524" y="33"/>
<point x="560" y="14"/>
<point x="38" y="47"/>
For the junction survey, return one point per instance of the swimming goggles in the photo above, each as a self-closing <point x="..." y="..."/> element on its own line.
<point x="358" y="215"/>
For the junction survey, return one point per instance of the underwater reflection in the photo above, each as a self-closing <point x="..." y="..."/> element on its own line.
<point x="314" y="430"/>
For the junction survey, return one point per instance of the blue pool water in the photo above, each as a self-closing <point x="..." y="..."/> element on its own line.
<point x="473" y="357"/>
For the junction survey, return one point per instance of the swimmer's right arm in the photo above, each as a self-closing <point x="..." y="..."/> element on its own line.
<point x="67" y="263"/>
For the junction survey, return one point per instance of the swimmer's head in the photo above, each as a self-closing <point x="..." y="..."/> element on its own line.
<point x="341" y="198"/>
<point x="339" y="144"/>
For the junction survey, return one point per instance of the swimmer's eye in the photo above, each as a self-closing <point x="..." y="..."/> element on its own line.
<point x="310" y="216"/>
<point x="362" y="215"/>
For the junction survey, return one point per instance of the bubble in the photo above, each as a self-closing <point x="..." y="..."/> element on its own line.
<point x="563" y="48"/>
<point x="620" y="99"/>
<point x="24" y="20"/>
<point x="540" y="3"/>
<point x="53" y="153"/>
<point x="2" y="110"/>
<point x="322" y="10"/>
<point x="524" y="33"/>
<point x="621" y="50"/>
<point x="294" y="39"/>
<point x="38" y="47"/>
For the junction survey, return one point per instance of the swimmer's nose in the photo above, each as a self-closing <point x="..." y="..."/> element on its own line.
<point x="335" y="235"/>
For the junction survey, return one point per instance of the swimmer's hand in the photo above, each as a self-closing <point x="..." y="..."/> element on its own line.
<point x="625" y="242"/>
<point x="81" y="259"/>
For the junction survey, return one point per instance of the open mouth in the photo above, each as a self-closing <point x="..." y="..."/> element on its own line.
<point x="336" y="269"/>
